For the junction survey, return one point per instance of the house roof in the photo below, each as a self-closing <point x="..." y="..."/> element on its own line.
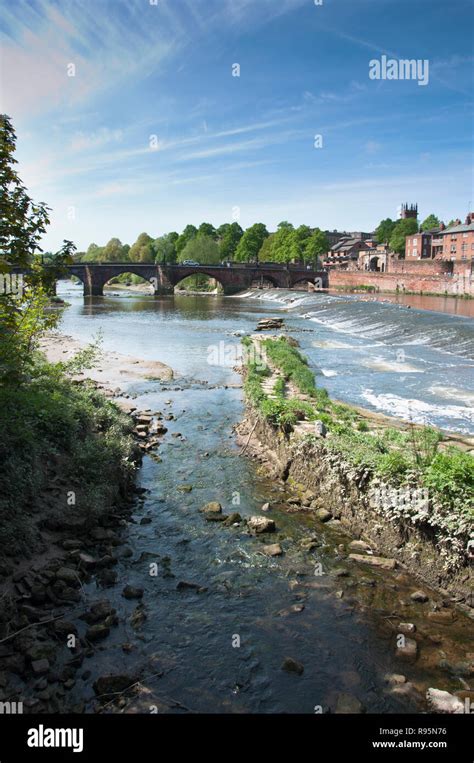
<point x="458" y="229"/>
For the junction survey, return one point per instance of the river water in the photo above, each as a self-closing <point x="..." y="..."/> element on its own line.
<point x="221" y="650"/>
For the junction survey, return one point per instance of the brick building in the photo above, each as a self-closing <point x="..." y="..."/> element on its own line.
<point x="455" y="243"/>
<point x="345" y="252"/>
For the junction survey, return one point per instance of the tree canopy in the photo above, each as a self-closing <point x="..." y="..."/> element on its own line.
<point x="430" y="222"/>
<point x="251" y="243"/>
<point x="403" y="228"/>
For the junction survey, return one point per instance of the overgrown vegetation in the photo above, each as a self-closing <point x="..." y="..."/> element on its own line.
<point x="57" y="437"/>
<point x="401" y="457"/>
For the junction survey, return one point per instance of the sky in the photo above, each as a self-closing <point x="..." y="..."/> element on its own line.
<point x="130" y="118"/>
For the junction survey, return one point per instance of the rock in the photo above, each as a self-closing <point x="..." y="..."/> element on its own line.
<point x="320" y="429"/>
<point x="40" y="667"/>
<point x="97" y="632"/>
<point x="348" y="704"/>
<point x="419" y="596"/>
<point x="341" y="572"/>
<point x="407" y="650"/>
<point x="69" y="576"/>
<point x="273" y="549"/>
<point x="233" y="519"/>
<point x="184" y="585"/>
<point x="138" y="616"/>
<point x="215" y="517"/>
<point x="87" y="561"/>
<point x="308" y="497"/>
<point x="394" y="679"/>
<point x="211" y="508"/>
<point x="308" y="543"/>
<point x="71" y="544"/>
<point x="406" y="628"/>
<point x="113" y="684"/>
<point x="130" y="592"/>
<point x="184" y="488"/>
<point x="444" y="702"/>
<point x="359" y="545"/>
<point x="97" y="612"/>
<point x="266" y="507"/>
<point x="265" y="324"/>
<point x="446" y="616"/>
<point x="292" y="666"/>
<point x="259" y="525"/>
<point x="323" y="515"/>
<point x="375" y="561"/>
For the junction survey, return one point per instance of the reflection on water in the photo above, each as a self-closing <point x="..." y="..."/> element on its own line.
<point x="450" y="305"/>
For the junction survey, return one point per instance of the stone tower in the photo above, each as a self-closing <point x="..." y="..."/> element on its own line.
<point x="409" y="211"/>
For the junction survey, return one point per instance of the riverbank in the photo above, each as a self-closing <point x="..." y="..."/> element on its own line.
<point x="405" y="491"/>
<point x="68" y="486"/>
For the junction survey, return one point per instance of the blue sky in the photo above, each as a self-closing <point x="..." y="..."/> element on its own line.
<point x="227" y="146"/>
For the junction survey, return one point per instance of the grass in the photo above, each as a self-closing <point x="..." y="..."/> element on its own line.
<point x="399" y="456"/>
<point x="58" y="436"/>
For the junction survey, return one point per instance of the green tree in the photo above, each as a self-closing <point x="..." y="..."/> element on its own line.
<point x="403" y="228"/>
<point x="251" y="243"/>
<point x="206" y="229"/>
<point x="201" y="249"/>
<point x="23" y="314"/>
<point x="266" y="251"/>
<point x="285" y="243"/>
<point x="430" y="222"/>
<point x="22" y="221"/>
<point x="114" y="251"/>
<point x="384" y="230"/>
<point x="188" y="233"/>
<point x="94" y="253"/>
<point x="230" y="241"/>
<point x="315" y="247"/>
<point x="165" y="248"/>
<point x="142" y="249"/>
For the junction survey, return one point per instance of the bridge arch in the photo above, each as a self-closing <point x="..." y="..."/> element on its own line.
<point x="184" y="274"/>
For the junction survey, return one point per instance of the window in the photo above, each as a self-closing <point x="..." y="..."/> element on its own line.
<point x="464" y="235"/>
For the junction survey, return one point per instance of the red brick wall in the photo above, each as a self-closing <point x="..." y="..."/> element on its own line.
<point x="435" y="284"/>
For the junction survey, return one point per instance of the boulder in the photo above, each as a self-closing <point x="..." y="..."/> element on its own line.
<point x="40" y="667"/>
<point x="97" y="632"/>
<point x="320" y="429"/>
<point x="259" y="525"/>
<point x="213" y="507"/>
<point x="130" y="592"/>
<point x="273" y="549"/>
<point x="375" y="561"/>
<point x="419" y="596"/>
<point x="444" y="702"/>
<point x="292" y="666"/>
<point x="323" y="515"/>
<point x="407" y="650"/>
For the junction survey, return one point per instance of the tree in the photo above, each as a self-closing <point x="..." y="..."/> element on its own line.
<point x="142" y="249"/>
<point x="266" y="251"/>
<point x="188" y="233"/>
<point x="403" y="228"/>
<point x="94" y="253"/>
<point x="206" y="229"/>
<point x="202" y="249"/>
<point x="316" y="246"/>
<point x="251" y="243"/>
<point x="23" y="314"/>
<point x="230" y="241"/>
<point x="22" y="221"/>
<point x="285" y="243"/>
<point x="430" y="222"/>
<point x="114" y="251"/>
<point x="165" y="249"/>
<point x="384" y="230"/>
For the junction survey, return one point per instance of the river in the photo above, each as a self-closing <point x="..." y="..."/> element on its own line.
<point x="221" y="650"/>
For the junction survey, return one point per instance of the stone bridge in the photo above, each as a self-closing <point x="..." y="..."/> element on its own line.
<point x="233" y="278"/>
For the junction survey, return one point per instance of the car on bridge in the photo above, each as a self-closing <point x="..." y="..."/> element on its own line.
<point x="192" y="263"/>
